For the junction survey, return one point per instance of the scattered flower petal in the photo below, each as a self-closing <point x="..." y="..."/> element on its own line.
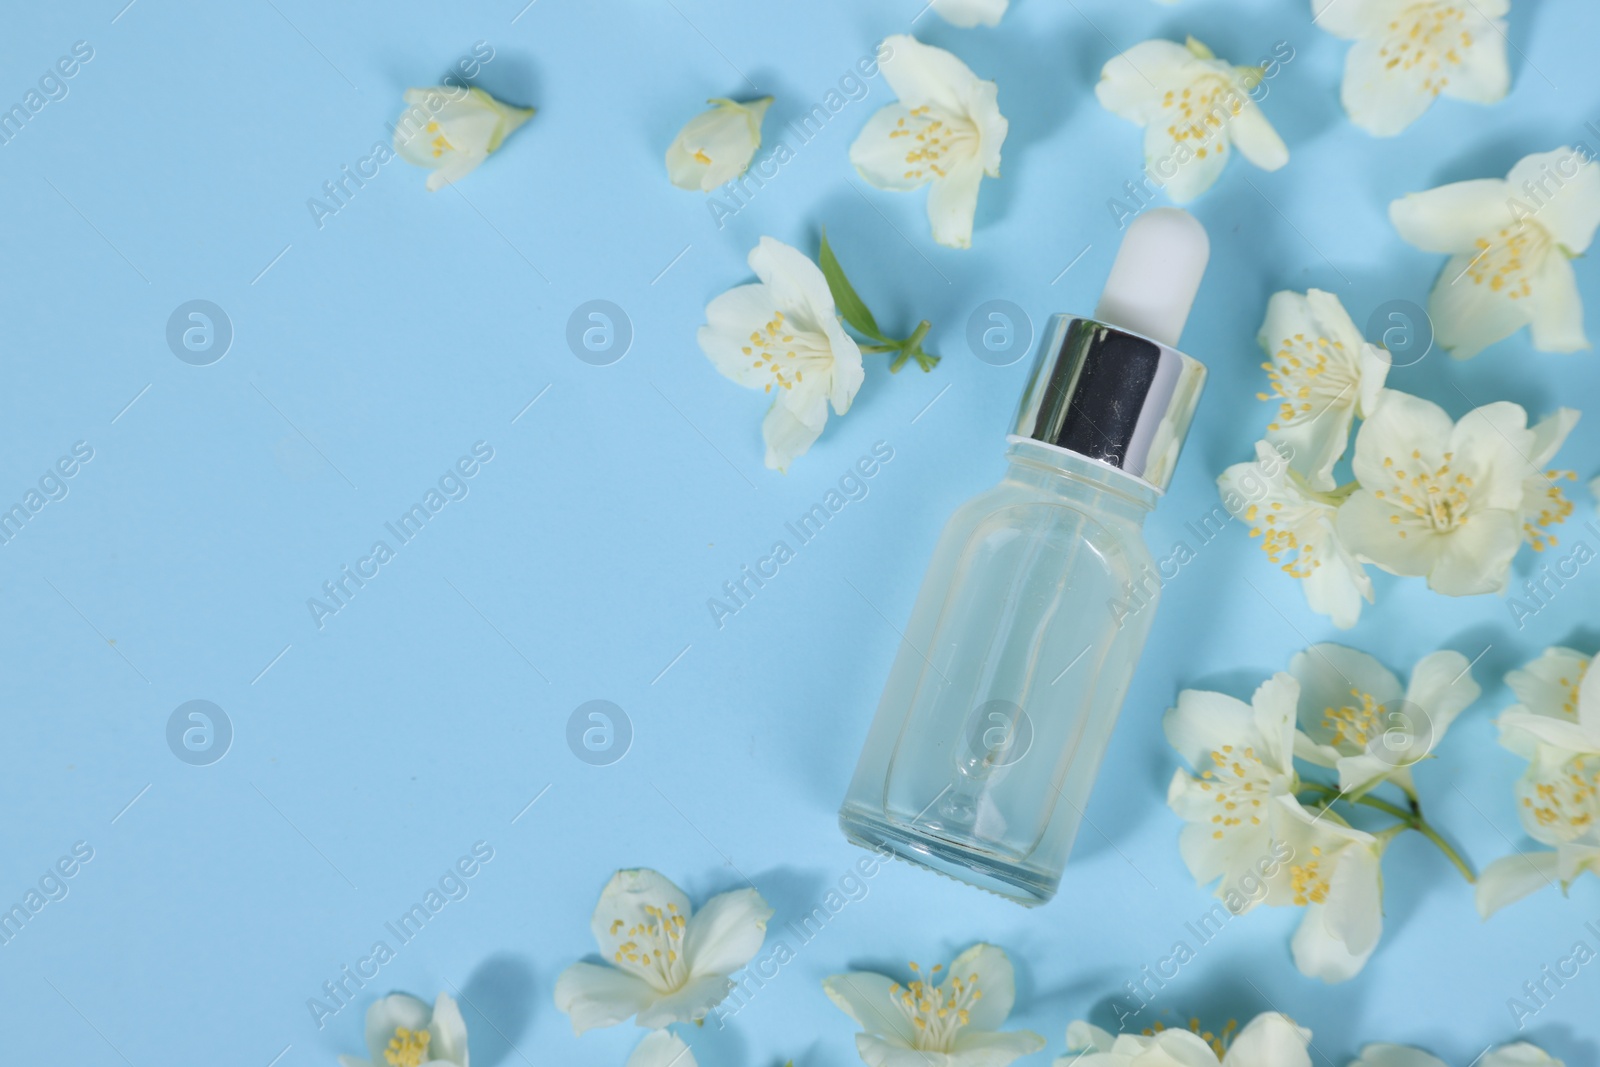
<point x="1409" y="52"/>
<point x="784" y="331"/>
<point x="1323" y="374"/>
<point x="1556" y="727"/>
<point x="970" y="13"/>
<point x="1439" y="498"/>
<point x="957" y="1018"/>
<point x="1354" y="716"/>
<point x="1296" y="525"/>
<point x="1509" y="242"/>
<point x="451" y="132"/>
<point x="716" y="146"/>
<point x="1193" y="107"/>
<point x="403" y="1031"/>
<point x="668" y="963"/>
<point x="945" y="132"/>
<point x="1243" y="758"/>
<point x="662" y="1048"/>
<point x="1268" y="1040"/>
<point x="1543" y="503"/>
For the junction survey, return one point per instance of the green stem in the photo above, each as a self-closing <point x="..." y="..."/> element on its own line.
<point x="1421" y="826"/>
<point x="1410" y="818"/>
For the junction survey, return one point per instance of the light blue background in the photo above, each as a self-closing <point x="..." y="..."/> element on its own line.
<point x="423" y="718"/>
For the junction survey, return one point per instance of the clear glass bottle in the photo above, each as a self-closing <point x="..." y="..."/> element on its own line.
<point x="1013" y="667"/>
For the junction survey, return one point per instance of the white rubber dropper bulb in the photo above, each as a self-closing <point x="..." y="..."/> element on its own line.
<point x="1156" y="276"/>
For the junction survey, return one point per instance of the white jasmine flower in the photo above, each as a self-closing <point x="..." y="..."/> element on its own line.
<point x="1193" y="107"/>
<point x="1268" y="1040"/>
<point x="1355" y="717"/>
<point x="1438" y="498"/>
<point x="1558" y="706"/>
<point x="662" y="1048"/>
<point x="403" y="1031"/>
<point x="953" y="1022"/>
<point x="1323" y="375"/>
<point x="716" y="146"/>
<point x="1333" y="871"/>
<point x="450" y="132"/>
<point x="1243" y="756"/>
<point x="669" y="964"/>
<point x="970" y="13"/>
<point x="1556" y="726"/>
<point x="783" y="336"/>
<point x="1543" y="503"/>
<point x="1408" y="52"/>
<point x="945" y="132"/>
<point x="1296" y="525"/>
<point x="1509" y="242"/>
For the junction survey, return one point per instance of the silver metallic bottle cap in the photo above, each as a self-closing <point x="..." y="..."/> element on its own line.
<point x="1113" y="388"/>
<point x="1111" y="396"/>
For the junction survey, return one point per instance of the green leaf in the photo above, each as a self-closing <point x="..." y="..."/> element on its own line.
<point x="844" y="294"/>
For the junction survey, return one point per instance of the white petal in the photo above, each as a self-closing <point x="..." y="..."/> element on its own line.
<point x="1269" y="1040"/>
<point x="1442" y="686"/>
<point x="1450" y="218"/>
<point x="798" y="286"/>
<point x="988" y="968"/>
<point x="449" y="1032"/>
<point x="1483" y="76"/>
<point x="970" y="13"/>
<point x="1549" y="434"/>
<point x="1177" y="1047"/>
<point x="1567" y="736"/>
<point x="983" y="111"/>
<point x="730" y="319"/>
<point x="952" y="203"/>
<point x="924" y="76"/>
<point x="1396" y="1056"/>
<point x="1133" y="83"/>
<point x="1511" y="878"/>
<point x="1348" y="19"/>
<point x="726" y="932"/>
<point x="595" y="996"/>
<point x="1496" y="441"/>
<point x="1557" y="309"/>
<point x="1273" y="707"/>
<point x="793" y="424"/>
<point x="975" y="1047"/>
<point x="457" y="166"/>
<point x="1520" y="1054"/>
<point x="1353" y="911"/>
<point x="1319" y="954"/>
<point x="1255" y="138"/>
<point x="1202" y="722"/>
<point x="1338" y="586"/>
<point x="866" y="998"/>
<point x="661" y="1048"/>
<point x="1565" y="204"/>
<point x="1476" y="558"/>
<point x="1086" y="1037"/>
